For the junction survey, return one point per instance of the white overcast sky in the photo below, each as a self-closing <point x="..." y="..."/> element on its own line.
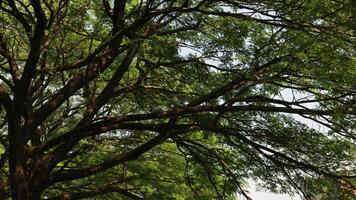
<point x="264" y="195"/>
<point x="287" y="95"/>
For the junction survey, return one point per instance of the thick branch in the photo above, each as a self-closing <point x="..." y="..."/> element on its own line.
<point x="35" y="50"/>
<point x="96" y="192"/>
<point x="4" y="51"/>
<point x="17" y="14"/>
<point x="108" y="91"/>
<point x="127" y="156"/>
<point x="113" y="123"/>
<point x="118" y="15"/>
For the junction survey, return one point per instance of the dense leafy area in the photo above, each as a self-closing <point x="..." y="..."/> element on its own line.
<point x="187" y="99"/>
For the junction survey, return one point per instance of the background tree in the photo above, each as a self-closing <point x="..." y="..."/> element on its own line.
<point x="188" y="99"/>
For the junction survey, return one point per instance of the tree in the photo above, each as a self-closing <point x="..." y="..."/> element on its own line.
<point x="186" y="99"/>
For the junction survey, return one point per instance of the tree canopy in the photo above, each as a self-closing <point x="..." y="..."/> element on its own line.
<point x="184" y="99"/>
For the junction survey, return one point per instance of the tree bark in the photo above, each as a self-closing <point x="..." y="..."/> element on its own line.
<point x="18" y="172"/>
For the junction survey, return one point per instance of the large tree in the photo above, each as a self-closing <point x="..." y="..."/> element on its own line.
<point x="184" y="99"/>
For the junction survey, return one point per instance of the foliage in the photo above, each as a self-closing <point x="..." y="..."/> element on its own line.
<point x="188" y="99"/>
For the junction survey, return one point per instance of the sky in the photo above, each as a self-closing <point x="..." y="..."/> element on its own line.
<point x="287" y="95"/>
<point x="264" y="195"/>
<point x="271" y="196"/>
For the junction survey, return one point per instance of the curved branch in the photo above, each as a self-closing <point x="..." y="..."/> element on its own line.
<point x="112" y="123"/>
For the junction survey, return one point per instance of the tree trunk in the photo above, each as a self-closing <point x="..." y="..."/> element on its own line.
<point x="19" y="182"/>
<point x="17" y="164"/>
